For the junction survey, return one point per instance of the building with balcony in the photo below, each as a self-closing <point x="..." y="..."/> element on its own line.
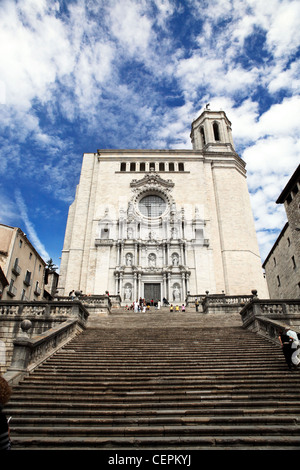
<point x="22" y="266"/>
<point x="282" y="265"/>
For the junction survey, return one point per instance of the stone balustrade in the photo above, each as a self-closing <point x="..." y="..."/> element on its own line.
<point x="28" y="352"/>
<point x="95" y="303"/>
<point x="43" y="315"/>
<point x="268" y="317"/>
<point x="216" y="303"/>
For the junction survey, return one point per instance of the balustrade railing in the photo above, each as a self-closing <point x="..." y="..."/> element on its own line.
<point x="43" y="316"/>
<point x="29" y="352"/>
<point x="268" y="317"/>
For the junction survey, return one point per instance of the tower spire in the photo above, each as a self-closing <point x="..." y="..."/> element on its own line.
<point x="211" y="131"/>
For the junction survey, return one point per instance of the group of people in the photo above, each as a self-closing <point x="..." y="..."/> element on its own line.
<point x="290" y="343"/>
<point x="143" y="306"/>
<point x="177" y="308"/>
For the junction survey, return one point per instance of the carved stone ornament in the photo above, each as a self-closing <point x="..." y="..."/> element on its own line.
<point x="149" y="184"/>
<point x="152" y="179"/>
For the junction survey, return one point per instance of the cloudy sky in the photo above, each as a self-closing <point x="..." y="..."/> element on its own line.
<point x="78" y="75"/>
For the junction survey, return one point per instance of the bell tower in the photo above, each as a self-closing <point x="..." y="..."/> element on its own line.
<point x="211" y="131"/>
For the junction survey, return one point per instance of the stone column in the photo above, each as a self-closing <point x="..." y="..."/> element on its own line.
<point x="116" y="283"/>
<point x="121" y="285"/>
<point x="170" y="297"/>
<point x="165" y="294"/>
<point x="183" y="287"/>
<point x="135" y="287"/>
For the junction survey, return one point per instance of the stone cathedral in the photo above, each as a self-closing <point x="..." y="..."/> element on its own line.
<point x="164" y="223"/>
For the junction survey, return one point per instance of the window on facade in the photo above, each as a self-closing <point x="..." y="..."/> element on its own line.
<point x="11" y="289"/>
<point x="27" y="278"/>
<point x="152" y="166"/>
<point x="123" y="166"/>
<point x="202" y="136"/>
<point x="132" y="166"/>
<point x="152" y="206"/>
<point x="171" y="167"/>
<point x="216" y="131"/>
<point x="20" y="243"/>
<point x="142" y="166"/>
<point x="161" y="167"/>
<point x="180" y="166"/>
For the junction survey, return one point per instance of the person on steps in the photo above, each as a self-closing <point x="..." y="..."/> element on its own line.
<point x="295" y="347"/>
<point x="286" y="344"/>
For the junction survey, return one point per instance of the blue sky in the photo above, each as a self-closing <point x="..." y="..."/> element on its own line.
<point x="78" y="75"/>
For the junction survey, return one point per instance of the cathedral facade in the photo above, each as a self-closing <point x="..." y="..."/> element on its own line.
<point x="164" y="223"/>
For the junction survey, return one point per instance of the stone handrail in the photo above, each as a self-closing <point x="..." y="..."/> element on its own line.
<point x="227" y="299"/>
<point x="268" y="317"/>
<point x="91" y="300"/>
<point x="43" y="316"/>
<point x="30" y="352"/>
<point x="58" y="310"/>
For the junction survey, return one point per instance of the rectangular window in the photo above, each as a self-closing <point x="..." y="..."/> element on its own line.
<point x="27" y="278"/>
<point x="12" y="289"/>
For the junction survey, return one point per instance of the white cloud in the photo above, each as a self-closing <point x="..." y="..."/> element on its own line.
<point x="130" y="26"/>
<point x="32" y="235"/>
<point x="8" y="210"/>
<point x="72" y="65"/>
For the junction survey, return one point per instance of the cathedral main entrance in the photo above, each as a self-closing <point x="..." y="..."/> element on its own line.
<point x="152" y="291"/>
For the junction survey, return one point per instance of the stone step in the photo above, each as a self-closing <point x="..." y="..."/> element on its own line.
<point x="173" y="443"/>
<point x="211" y="411"/>
<point x="156" y="430"/>
<point x="160" y="385"/>
<point x="231" y="422"/>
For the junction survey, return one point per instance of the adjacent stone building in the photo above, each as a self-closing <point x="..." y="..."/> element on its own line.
<point x="22" y="266"/>
<point x="282" y="265"/>
<point x="164" y="223"/>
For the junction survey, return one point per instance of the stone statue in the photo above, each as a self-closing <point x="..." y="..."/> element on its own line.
<point x="127" y="293"/>
<point x="176" y="294"/>
<point x="175" y="259"/>
<point x="152" y="260"/>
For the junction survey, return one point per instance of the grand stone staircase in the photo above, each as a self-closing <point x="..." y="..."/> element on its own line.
<point x="160" y="381"/>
